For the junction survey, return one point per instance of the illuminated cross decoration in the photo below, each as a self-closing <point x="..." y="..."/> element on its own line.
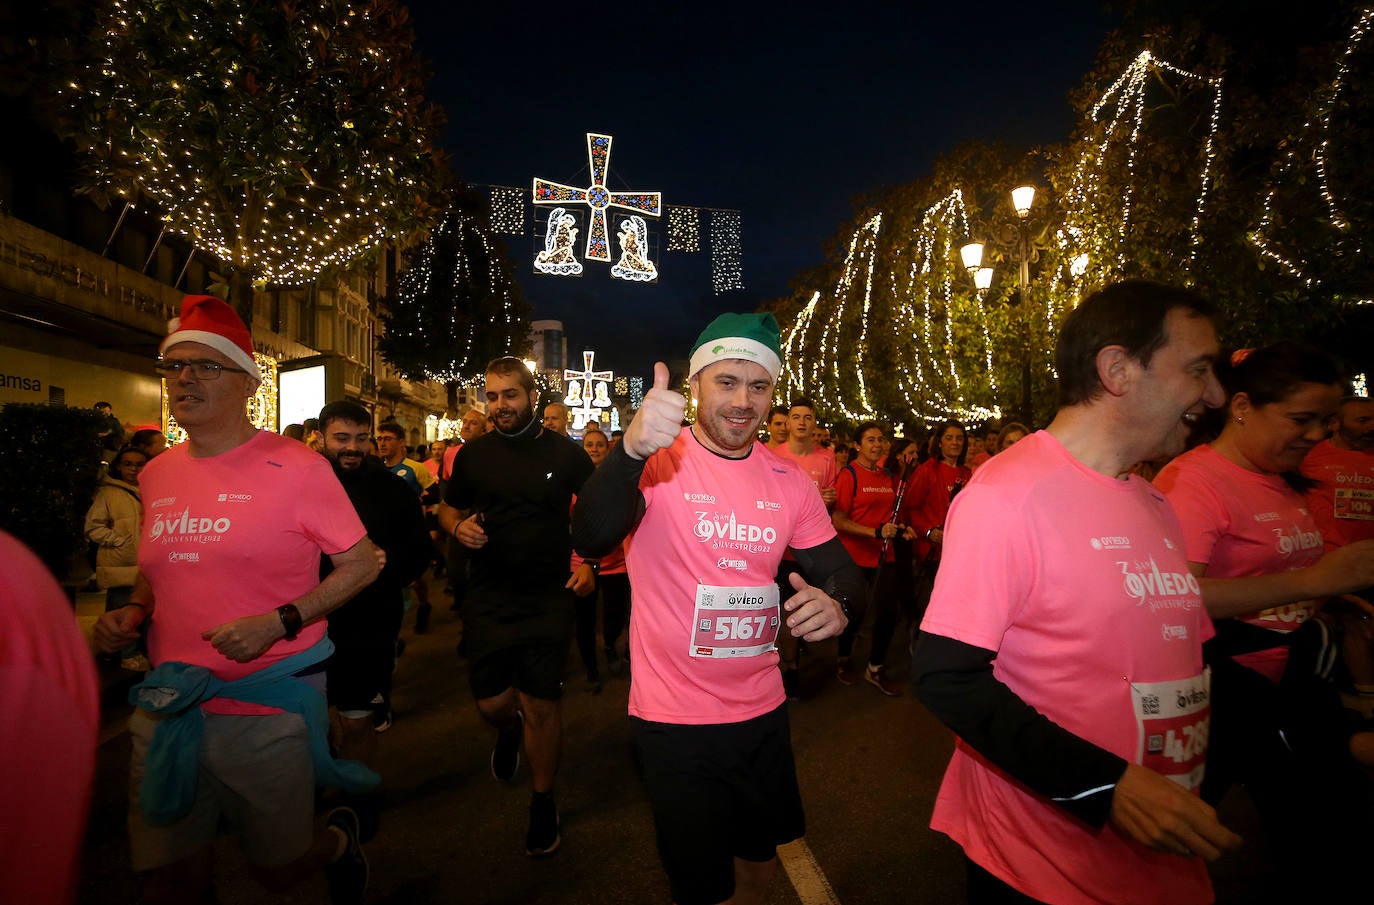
<point x="582" y="393"/>
<point x="597" y="197"/>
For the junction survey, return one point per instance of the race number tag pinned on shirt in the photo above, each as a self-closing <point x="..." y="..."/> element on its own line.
<point x="734" y="622"/>
<point x="1354" y="503"/>
<point x="1173" y="719"/>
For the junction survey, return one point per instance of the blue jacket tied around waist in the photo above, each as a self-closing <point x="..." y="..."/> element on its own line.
<point x="176" y="690"/>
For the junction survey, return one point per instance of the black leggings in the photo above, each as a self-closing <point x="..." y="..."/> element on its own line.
<point x="615" y="605"/>
<point x="881" y="585"/>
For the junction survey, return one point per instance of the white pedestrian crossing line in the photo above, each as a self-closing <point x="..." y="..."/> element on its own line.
<point x="806" y="875"/>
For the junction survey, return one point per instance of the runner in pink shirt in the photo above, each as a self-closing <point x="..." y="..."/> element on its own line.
<point x="709" y="513"/>
<point x="1342" y="502"/>
<point x="1251" y="541"/>
<point x="234" y="523"/>
<point x="818" y="464"/>
<point x="1063" y="643"/>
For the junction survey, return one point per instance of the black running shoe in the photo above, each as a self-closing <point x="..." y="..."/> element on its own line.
<point x="505" y="754"/>
<point x="348" y="874"/>
<point x="544" y="835"/>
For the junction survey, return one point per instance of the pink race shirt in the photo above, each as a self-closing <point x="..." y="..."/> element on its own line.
<point x="50" y="696"/>
<point x="867" y="497"/>
<point x="1238" y="523"/>
<point x="1078" y="582"/>
<point x="238" y="534"/>
<point x="712" y="535"/>
<point x="1343" y="503"/>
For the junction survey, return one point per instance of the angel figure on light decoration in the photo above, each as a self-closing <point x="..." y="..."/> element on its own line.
<point x="574" y="397"/>
<point x="633" y="265"/>
<point x="558" y="258"/>
<point x="602" y="400"/>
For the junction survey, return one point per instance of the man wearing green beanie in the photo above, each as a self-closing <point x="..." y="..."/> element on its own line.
<point x="710" y="513"/>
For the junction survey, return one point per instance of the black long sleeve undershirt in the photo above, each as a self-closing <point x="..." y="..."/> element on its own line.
<point x="956" y="682"/>
<point x="609" y="505"/>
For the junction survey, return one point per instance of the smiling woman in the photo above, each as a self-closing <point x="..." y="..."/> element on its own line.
<point x="1251" y="541"/>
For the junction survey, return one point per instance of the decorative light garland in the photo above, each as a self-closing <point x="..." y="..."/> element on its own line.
<point x="684" y="229"/>
<point x="1296" y="156"/>
<point x="1082" y="233"/>
<point x="507" y="210"/>
<point x="933" y="268"/>
<point x="727" y="272"/>
<point x="636" y="392"/>
<point x="418" y="281"/>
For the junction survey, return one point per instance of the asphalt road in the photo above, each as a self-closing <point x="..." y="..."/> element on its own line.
<point x="869" y="768"/>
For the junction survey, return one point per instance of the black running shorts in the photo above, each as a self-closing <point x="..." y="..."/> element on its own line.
<point x="719" y="792"/>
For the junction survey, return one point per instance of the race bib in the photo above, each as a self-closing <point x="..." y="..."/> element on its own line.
<point x="1354" y="503"/>
<point x="1173" y="719"/>
<point x="735" y="622"/>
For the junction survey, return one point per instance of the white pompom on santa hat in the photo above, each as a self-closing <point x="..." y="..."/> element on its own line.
<point x="212" y="322"/>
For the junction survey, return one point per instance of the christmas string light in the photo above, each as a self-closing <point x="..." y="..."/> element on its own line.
<point x="287" y="211"/>
<point x="1318" y="138"/>
<point x="929" y="292"/>
<point x="507" y="210"/>
<point x="636" y="392"/>
<point x="684" y="229"/>
<point x="1089" y="204"/>
<point x="727" y="271"/>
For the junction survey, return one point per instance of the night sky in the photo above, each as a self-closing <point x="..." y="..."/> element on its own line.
<point x="786" y="113"/>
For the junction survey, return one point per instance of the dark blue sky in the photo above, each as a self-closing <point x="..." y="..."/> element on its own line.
<point x="785" y="112"/>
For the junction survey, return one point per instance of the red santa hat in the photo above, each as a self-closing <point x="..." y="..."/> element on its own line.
<point x="211" y="322"/>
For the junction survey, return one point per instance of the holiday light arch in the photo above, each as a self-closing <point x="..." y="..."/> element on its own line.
<point x="931" y="283"/>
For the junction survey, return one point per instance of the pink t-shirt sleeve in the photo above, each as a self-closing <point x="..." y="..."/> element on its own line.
<point x="1201" y="513"/>
<point x="984" y="573"/>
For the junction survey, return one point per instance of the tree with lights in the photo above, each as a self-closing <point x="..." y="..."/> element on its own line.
<point x="456" y="304"/>
<point x="285" y="138"/>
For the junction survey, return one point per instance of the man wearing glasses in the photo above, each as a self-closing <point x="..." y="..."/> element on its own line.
<point x="232" y="721"/>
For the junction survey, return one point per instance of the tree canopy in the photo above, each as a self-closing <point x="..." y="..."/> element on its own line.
<point x="285" y="138"/>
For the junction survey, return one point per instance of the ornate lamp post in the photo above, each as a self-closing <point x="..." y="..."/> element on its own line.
<point x="1017" y="239"/>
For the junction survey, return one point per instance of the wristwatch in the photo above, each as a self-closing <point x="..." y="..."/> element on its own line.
<point x="594" y="564"/>
<point x="290" y="620"/>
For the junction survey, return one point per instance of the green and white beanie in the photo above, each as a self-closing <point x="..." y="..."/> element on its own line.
<point x="750" y="337"/>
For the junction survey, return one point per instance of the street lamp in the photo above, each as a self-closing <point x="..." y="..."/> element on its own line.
<point x="1017" y="239"/>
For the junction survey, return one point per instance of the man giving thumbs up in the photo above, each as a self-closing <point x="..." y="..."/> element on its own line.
<point x="710" y="513"/>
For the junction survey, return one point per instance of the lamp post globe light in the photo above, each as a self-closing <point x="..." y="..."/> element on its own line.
<point x="1019" y="239"/>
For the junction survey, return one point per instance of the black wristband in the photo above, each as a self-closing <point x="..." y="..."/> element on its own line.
<point x="878" y="532"/>
<point x="290" y="620"/>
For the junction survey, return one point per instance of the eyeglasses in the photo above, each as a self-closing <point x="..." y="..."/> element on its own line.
<point x="171" y="368"/>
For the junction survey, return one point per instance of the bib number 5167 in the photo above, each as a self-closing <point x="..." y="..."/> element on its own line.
<point x="740" y="628"/>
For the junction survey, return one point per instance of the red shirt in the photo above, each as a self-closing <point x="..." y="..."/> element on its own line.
<point x="867" y="497"/>
<point x="927" y="500"/>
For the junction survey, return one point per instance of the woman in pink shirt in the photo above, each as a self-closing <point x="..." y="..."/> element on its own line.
<point x="927" y="500"/>
<point x="1276" y="726"/>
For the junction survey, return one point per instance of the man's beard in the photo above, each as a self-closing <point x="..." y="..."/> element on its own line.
<point x="522" y="423"/>
<point x="355" y="463"/>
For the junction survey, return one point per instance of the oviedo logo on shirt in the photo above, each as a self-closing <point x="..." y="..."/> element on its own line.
<point x="1295" y="540"/>
<point x="185" y="526"/>
<point x="730" y="533"/>
<point x="1343" y="478"/>
<point x="1145" y="581"/>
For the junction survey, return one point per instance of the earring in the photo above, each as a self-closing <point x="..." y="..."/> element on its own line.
<point x="1240" y="421"/>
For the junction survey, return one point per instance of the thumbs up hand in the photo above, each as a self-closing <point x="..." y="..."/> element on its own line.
<point x="659" y="420"/>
